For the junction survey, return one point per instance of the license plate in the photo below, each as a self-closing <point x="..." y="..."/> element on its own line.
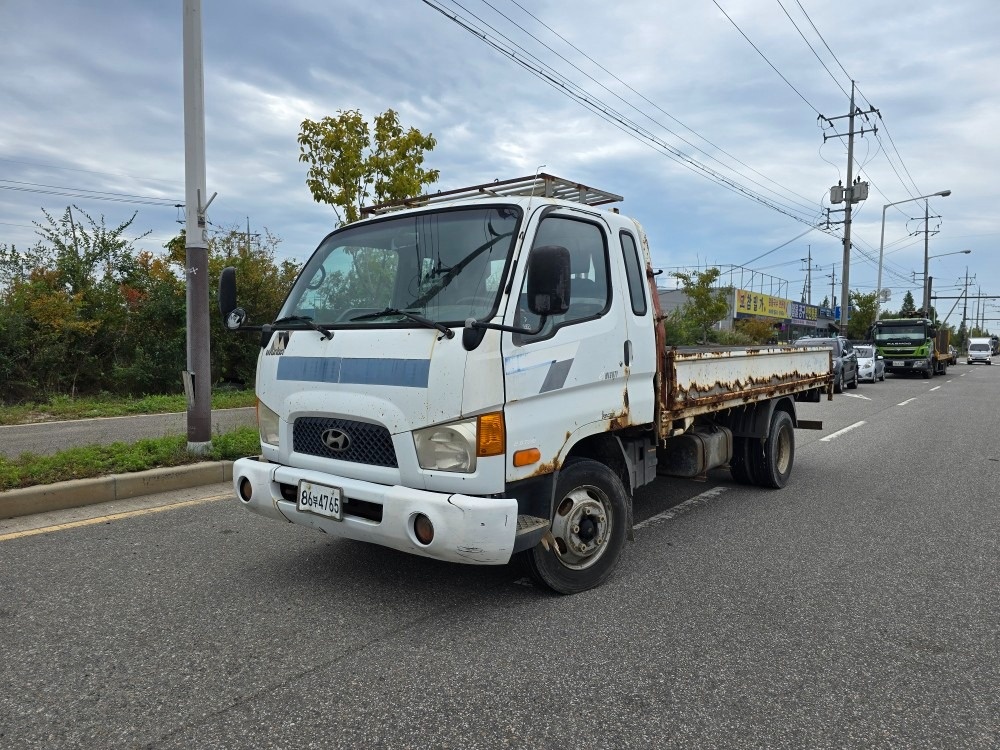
<point x="320" y="499"/>
<point x="897" y="363"/>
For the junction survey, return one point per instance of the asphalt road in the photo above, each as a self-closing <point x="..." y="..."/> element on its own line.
<point x="46" y="438"/>
<point x="859" y="607"/>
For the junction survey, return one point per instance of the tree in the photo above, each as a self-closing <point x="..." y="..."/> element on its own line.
<point x="67" y="296"/>
<point x="705" y="305"/>
<point x="756" y="330"/>
<point x="862" y="316"/>
<point x="909" y="308"/>
<point x="348" y="167"/>
<point x="263" y="286"/>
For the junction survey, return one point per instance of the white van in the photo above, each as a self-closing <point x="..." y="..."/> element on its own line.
<point x="980" y="351"/>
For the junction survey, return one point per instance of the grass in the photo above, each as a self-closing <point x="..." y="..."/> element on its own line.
<point x="65" y="407"/>
<point x="120" y="458"/>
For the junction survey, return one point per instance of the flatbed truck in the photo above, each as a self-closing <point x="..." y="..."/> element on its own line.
<point x="481" y="374"/>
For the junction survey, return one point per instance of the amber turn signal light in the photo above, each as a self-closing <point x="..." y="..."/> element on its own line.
<point x="527" y="457"/>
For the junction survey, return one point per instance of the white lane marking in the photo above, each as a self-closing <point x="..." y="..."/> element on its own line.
<point x="679" y="510"/>
<point x="934" y="388"/>
<point x="838" y="433"/>
<point x="856" y="395"/>
<point x="904" y="403"/>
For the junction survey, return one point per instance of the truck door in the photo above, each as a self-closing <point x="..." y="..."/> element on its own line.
<point x="640" y="343"/>
<point x="570" y="376"/>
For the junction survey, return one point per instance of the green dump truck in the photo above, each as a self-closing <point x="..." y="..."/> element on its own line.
<point x="912" y="346"/>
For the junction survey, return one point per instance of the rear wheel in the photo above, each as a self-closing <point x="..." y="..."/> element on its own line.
<point x="854" y="383"/>
<point x="741" y="465"/>
<point x="773" y="463"/>
<point x="591" y="518"/>
<point x="838" y="387"/>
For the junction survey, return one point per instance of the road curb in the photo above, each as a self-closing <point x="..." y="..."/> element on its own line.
<point x="79" y="492"/>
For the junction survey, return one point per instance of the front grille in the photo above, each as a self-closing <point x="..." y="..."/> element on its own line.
<point x="368" y="443"/>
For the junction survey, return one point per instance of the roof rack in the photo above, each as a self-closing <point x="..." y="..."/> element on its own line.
<point x="542" y="185"/>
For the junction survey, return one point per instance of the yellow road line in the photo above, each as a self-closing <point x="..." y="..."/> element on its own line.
<point x="111" y="517"/>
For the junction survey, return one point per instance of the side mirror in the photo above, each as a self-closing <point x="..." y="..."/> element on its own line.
<point x="233" y="317"/>
<point x="548" y="280"/>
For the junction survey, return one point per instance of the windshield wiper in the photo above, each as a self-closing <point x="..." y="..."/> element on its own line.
<point x="445" y="330"/>
<point x="305" y="320"/>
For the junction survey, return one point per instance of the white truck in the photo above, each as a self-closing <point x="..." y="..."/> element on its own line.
<point x="480" y="373"/>
<point x="980" y="350"/>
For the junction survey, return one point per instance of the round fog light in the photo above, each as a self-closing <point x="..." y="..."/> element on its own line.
<point x="423" y="528"/>
<point x="246" y="490"/>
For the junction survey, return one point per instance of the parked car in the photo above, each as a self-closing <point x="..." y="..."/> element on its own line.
<point x="871" y="364"/>
<point x="845" y="359"/>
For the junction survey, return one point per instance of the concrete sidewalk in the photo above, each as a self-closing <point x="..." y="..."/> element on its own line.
<point x="79" y="492"/>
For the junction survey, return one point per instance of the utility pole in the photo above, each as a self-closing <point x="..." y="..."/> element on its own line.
<point x="807" y="289"/>
<point x="198" y="376"/>
<point x="853" y="193"/>
<point x="965" y="306"/>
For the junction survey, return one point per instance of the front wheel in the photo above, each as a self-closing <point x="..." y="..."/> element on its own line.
<point x="592" y="514"/>
<point x="854" y="383"/>
<point x="838" y="387"/>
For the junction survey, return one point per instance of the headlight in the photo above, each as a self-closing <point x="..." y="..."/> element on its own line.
<point x="267" y="424"/>
<point x="449" y="447"/>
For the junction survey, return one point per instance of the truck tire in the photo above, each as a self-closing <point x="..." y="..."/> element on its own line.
<point x="592" y="515"/>
<point x="926" y="373"/>
<point x="773" y="463"/>
<point x="741" y="464"/>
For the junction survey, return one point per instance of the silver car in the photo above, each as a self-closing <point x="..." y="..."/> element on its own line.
<point x="871" y="364"/>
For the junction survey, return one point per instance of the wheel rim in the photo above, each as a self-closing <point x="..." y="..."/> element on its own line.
<point x="783" y="451"/>
<point x="582" y="524"/>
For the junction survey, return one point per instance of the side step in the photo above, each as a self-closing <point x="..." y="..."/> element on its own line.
<point x="530" y="530"/>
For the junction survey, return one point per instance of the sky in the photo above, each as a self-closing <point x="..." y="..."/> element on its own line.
<point x="707" y="116"/>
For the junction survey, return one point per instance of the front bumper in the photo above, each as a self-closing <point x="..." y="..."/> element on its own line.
<point x="467" y="529"/>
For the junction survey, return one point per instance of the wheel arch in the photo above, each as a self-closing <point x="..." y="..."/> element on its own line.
<point x="754" y="420"/>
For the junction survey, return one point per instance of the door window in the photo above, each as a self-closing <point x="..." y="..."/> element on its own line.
<point x="589" y="292"/>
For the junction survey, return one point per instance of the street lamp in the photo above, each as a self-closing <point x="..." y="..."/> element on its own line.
<point x="881" y="247"/>
<point x="957" y="252"/>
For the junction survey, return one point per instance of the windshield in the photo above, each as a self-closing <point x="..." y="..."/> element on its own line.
<point x="864" y="352"/>
<point x="980" y="347"/>
<point x="915" y="333"/>
<point x="445" y="266"/>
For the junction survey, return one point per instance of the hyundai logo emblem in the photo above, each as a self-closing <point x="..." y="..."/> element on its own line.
<point x="336" y="440"/>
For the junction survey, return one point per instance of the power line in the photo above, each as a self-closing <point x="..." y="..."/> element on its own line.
<point x="86" y="171"/>
<point x="736" y="26"/>
<point x="641" y="96"/>
<point x="824" y="41"/>
<point x="35" y="187"/>
<point x="811" y="48"/>
<point x="603" y="110"/>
